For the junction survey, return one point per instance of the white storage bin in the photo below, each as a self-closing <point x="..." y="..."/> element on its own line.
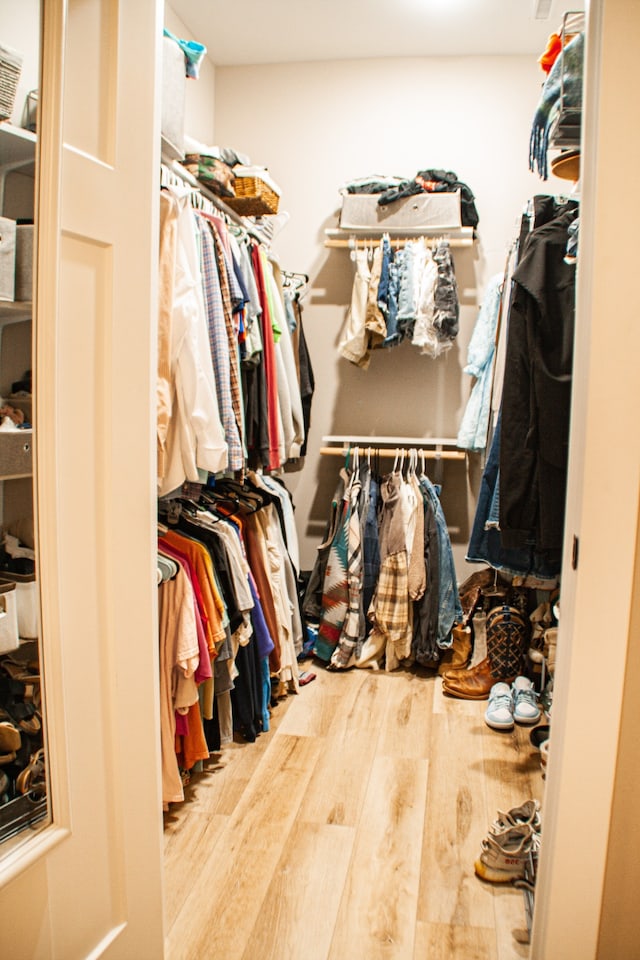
<point x="9" y="636"/>
<point x="27" y="605"/>
<point x="432" y="211"/>
<point x="174" y="84"/>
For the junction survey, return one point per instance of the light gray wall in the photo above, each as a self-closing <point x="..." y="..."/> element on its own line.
<point x="317" y="125"/>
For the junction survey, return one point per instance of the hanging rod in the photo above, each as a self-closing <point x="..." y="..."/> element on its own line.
<point x="391" y="441"/>
<point x="351" y="239"/>
<point x="428" y="453"/>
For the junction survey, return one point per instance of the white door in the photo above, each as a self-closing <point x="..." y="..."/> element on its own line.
<point x="90" y="885"/>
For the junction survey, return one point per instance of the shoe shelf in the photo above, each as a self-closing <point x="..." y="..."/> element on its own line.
<point x="21" y="812"/>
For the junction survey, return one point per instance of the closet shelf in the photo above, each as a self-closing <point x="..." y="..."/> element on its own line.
<point x="15" y="311"/>
<point x="16" y="145"/>
<point x="350" y="238"/>
<point x="176" y="168"/>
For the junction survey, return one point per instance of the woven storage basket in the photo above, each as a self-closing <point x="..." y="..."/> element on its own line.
<point x="253" y="198"/>
<point x="10" y="70"/>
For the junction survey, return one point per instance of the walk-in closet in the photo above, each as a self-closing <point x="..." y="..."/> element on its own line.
<point x="319" y="480"/>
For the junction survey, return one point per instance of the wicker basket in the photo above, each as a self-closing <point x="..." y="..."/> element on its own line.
<point x="10" y="70"/>
<point x="253" y="198"/>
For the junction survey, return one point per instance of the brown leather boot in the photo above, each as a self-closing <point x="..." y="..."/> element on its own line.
<point x="474" y="684"/>
<point x="506" y="639"/>
<point x="459" y="653"/>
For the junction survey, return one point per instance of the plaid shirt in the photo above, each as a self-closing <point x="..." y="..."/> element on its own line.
<point x="219" y="343"/>
<point x="232" y="331"/>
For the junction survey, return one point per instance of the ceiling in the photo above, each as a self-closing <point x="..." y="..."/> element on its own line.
<point x="280" y="31"/>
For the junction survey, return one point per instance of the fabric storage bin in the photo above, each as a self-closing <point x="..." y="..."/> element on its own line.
<point x="16" y="454"/>
<point x="10" y="70"/>
<point x="24" y="262"/>
<point x="174" y="83"/>
<point x="27" y="605"/>
<point x="430" y="210"/>
<point x="9" y="635"/>
<point x="7" y="259"/>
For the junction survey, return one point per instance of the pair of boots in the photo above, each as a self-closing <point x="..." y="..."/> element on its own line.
<point x="506" y="634"/>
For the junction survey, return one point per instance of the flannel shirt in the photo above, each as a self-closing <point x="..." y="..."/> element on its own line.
<point x="218" y="341"/>
<point x="232" y="333"/>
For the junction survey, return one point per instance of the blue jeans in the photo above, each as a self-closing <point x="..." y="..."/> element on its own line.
<point x="394" y="335"/>
<point x="370" y="546"/>
<point x="450" y="610"/>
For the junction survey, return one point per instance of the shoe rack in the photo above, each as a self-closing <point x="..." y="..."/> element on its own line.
<point x="23" y="787"/>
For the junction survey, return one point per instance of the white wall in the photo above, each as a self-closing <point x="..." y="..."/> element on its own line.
<point x="316" y="125"/>
<point x="199" y="105"/>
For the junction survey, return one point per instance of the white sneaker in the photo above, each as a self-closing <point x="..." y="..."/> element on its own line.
<point x="499" y="712"/>
<point x="504" y="857"/>
<point x="527" y="814"/>
<point x="525" y="701"/>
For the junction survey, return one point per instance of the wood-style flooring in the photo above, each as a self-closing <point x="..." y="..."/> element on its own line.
<point x="349" y="831"/>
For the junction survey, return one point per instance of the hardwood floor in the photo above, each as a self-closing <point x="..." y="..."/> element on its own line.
<point x="350" y="830"/>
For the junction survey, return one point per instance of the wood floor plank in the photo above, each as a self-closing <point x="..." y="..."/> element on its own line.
<point x="238" y="872"/>
<point x="511" y="767"/>
<point x="406" y="723"/>
<point x="455" y="706"/>
<point x="510" y="920"/>
<point x="378" y="909"/>
<point x="441" y="941"/>
<point x="455" y="823"/>
<point x="183" y="860"/>
<point x="334" y="806"/>
<point x="313" y="711"/>
<point x="297" y="917"/>
<point x="339" y="784"/>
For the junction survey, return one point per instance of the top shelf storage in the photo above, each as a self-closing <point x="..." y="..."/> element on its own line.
<point x="566" y="128"/>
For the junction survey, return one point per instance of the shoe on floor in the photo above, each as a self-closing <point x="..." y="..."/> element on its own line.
<point x="472" y="684"/>
<point x="525" y="701"/>
<point x="504" y="857"/>
<point x="499" y="712"/>
<point x="539" y="734"/>
<point x="527" y="815"/>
